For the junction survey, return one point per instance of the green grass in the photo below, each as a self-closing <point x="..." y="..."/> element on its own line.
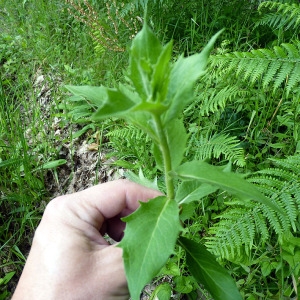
<point x="43" y="38"/>
<point x="37" y="39"/>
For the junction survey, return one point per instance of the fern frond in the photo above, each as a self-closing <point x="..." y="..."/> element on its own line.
<point x="269" y="19"/>
<point x="128" y="134"/>
<point x="291" y="163"/>
<point x="236" y="228"/>
<point x="218" y="145"/>
<point x="283" y="15"/>
<point x="271" y="67"/>
<point x="214" y="100"/>
<point x="275" y="172"/>
<point x="132" y="147"/>
<point x="267" y="185"/>
<point x="281" y="185"/>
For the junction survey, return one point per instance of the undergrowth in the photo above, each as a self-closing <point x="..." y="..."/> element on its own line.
<point x="246" y="112"/>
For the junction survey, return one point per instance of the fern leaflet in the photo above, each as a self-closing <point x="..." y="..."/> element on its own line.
<point x="284" y="15"/>
<point x="277" y="67"/>
<point x="215" y="100"/>
<point x="218" y="145"/>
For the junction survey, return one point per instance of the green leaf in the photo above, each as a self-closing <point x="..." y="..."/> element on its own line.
<point x="158" y="157"/>
<point x="116" y="105"/>
<point x="230" y="182"/>
<point x="187" y="210"/>
<point x="108" y="102"/>
<point x="143" y="120"/>
<point x="83" y="130"/>
<point x="96" y="94"/>
<point x="185" y="73"/>
<point x="81" y="112"/>
<point x="142" y="180"/>
<point x="183" y="284"/>
<point x="162" y="292"/>
<point x="171" y="268"/>
<point x="289" y="242"/>
<point x="156" y="108"/>
<point x="189" y="191"/>
<point x="176" y="138"/>
<point x="161" y="74"/>
<point x="6" y="279"/>
<point x="204" y="267"/>
<point x="145" y="51"/>
<point x="149" y="240"/>
<point x="267" y="267"/>
<point x="293" y="261"/>
<point x="140" y="73"/>
<point x="53" y="164"/>
<point x="146" y="45"/>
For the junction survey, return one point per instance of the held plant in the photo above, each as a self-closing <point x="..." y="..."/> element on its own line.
<point x="153" y="101"/>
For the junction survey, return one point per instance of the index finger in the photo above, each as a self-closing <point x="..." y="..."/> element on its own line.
<point x="107" y="200"/>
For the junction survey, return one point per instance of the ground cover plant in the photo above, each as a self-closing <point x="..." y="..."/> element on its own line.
<point x="245" y="110"/>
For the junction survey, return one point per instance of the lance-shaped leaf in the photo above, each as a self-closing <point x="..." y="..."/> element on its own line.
<point x="142" y="180"/>
<point x="149" y="240"/>
<point x="146" y="45"/>
<point x="176" y="138"/>
<point x="156" y="108"/>
<point x="54" y="164"/>
<point x="185" y="73"/>
<point x="117" y="104"/>
<point x="161" y="74"/>
<point x="110" y="102"/>
<point x="189" y="191"/>
<point x="231" y="182"/>
<point x="96" y="94"/>
<point x="144" y="53"/>
<point x="206" y="270"/>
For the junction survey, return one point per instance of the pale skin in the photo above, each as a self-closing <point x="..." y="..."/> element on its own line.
<point x="69" y="258"/>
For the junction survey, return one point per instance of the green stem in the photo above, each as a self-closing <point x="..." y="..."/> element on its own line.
<point x="164" y="148"/>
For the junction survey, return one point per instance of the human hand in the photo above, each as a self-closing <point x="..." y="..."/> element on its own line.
<point x="69" y="258"/>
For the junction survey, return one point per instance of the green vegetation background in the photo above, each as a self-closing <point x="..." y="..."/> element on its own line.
<point x="247" y="111"/>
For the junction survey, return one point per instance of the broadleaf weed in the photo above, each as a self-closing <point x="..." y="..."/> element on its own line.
<point x="160" y="93"/>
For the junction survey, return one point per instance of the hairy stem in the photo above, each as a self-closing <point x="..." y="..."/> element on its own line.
<point x="164" y="148"/>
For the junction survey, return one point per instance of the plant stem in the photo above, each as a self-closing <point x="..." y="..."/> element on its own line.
<point x="164" y="148"/>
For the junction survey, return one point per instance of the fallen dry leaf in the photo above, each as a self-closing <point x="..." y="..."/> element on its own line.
<point x="93" y="147"/>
